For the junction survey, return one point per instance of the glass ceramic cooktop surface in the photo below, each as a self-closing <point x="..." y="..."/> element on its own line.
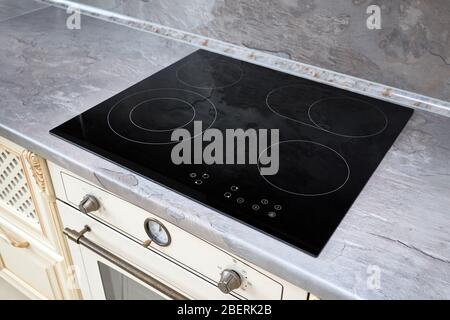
<point x="330" y="142"/>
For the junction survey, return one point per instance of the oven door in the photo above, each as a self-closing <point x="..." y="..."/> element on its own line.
<point x="109" y="265"/>
<point x="110" y="277"/>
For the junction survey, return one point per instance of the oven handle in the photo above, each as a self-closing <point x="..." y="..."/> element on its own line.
<point x="79" y="238"/>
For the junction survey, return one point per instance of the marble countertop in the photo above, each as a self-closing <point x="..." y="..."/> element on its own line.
<point x="393" y="243"/>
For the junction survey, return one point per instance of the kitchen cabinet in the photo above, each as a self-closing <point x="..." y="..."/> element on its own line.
<point x="33" y="254"/>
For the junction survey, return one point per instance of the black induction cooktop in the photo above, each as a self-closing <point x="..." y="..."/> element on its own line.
<point x="330" y="142"/>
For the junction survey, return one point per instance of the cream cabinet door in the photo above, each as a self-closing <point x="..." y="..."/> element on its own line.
<point x="27" y="264"/>
<point x="41" y="269"/>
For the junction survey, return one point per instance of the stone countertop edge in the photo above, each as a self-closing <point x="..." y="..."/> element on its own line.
<point x="332" y="78"/>
<point x="385" y="229"/>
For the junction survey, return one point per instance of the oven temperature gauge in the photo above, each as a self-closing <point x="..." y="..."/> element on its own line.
<point x="157" y="232"/>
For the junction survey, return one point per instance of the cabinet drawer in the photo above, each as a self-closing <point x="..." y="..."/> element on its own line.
<point x="27" y="264"/>
<point x="195" y="254"/>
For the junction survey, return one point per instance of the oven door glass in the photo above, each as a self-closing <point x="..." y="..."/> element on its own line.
<point x="110" y="279"/>
<point x="117" y="286"/>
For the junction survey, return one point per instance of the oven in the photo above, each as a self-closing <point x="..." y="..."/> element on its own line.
<point x="122" y="251"/>
<point x="108" y="264"/>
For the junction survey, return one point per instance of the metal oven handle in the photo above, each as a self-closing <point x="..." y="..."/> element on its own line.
<point x="79" y="238"/>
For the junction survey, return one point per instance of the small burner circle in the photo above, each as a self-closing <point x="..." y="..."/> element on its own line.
<point x="178" y="108"/>
<point x="171" y="104"/>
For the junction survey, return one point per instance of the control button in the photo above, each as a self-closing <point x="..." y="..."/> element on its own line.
<point x="234" y="188"/>
<point x="272" y="214"/>
<point x="255" y="207"/>
<point x="89" y="204"/>
<point x="240" y="200"/>
<point x="264" y="201"/>
<point x="227" y="194"/>
<point x="192" y="175"/>
<point x="205" y="176"/>
<point x="198" y="181"/>
<point x="277" y="207"/>
<point x="229" y="281"/>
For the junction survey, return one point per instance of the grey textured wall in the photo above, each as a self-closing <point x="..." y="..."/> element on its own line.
<point x="411" y="51"/>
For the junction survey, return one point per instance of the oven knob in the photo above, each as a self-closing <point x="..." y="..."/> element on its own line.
<point x="89" y="204"/>
<point x="229" y="280"/>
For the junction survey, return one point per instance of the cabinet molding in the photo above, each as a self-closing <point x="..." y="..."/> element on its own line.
<point x="36" y="169"/>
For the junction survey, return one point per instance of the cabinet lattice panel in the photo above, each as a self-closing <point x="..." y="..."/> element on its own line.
<point x="14" y="192"/>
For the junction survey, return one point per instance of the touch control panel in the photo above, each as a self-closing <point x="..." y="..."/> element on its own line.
<point x="235" y="194"/>
<point x="262" y="205"/>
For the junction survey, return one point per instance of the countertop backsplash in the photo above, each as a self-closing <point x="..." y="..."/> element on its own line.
<point x="406" y="47"/>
